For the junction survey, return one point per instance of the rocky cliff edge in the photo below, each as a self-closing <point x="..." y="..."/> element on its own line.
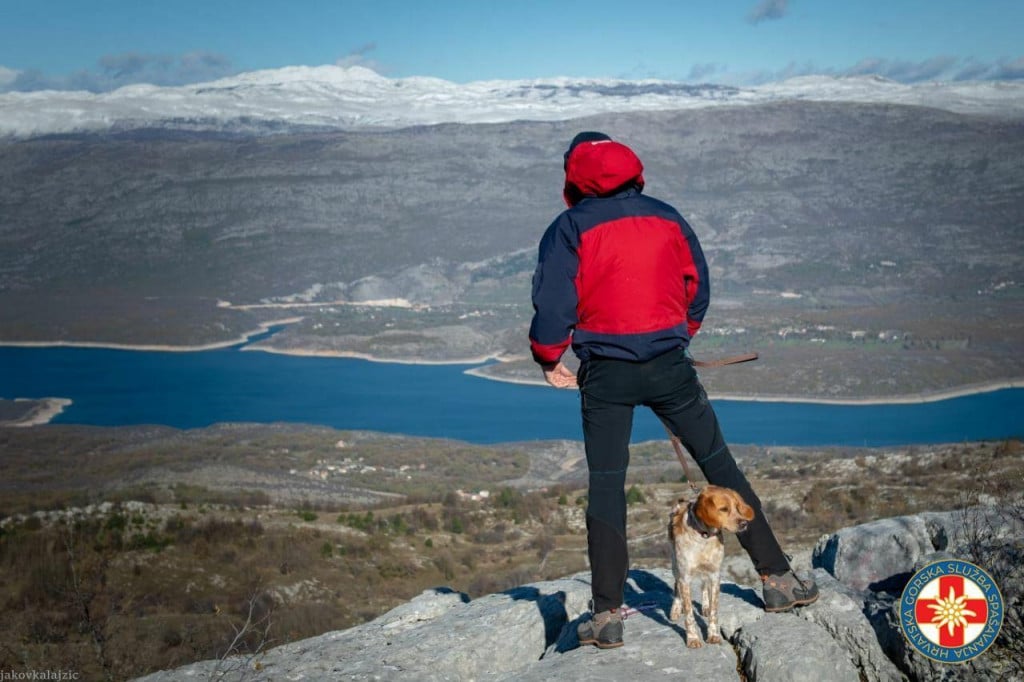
<point x="529" y="633"/>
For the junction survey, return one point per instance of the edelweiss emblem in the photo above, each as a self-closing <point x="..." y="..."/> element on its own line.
<point x="951" y="611"/>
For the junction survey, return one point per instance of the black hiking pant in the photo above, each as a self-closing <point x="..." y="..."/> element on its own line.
<point x="609" y="391"/>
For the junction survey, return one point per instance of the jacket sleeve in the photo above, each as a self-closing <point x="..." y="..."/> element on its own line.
<point x="554" y="292"/>
<point x="699" y="289"/>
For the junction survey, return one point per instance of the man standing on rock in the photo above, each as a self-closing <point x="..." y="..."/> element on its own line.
<point x="622" y="277"/>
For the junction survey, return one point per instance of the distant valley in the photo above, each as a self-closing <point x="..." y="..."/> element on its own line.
<point x="844" y="238"/>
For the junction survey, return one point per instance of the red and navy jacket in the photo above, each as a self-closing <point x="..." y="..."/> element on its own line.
<point x="619" y="274"/>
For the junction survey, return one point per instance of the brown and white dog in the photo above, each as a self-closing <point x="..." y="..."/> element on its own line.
<point x="695" y="532"/>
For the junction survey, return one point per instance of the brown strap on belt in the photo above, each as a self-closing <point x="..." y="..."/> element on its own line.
<point x="733" y="360"/>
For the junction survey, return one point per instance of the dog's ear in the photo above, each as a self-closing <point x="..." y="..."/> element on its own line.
<point x="705" y="511"/>
<point x="746" y="512"/>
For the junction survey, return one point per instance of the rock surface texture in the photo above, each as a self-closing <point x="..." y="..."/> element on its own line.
<point x="529" y="633"/>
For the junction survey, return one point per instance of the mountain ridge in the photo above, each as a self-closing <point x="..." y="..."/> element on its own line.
<point x="330" y="97"/>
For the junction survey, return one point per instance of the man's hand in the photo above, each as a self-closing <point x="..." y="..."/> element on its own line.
<point x="558" y="375"/>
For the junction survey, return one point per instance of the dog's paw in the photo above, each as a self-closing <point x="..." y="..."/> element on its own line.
<point x="676" y="610"/>
<point x="715" y="639"/>
<point x="693" y="643"/>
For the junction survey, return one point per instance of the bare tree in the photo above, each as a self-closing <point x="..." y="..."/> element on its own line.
<point x="250" y="641"/>
<point x="987" y="546"/>
<point x="81" y="593"/>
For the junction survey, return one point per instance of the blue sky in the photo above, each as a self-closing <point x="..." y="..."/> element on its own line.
<point x="103" y="44"/>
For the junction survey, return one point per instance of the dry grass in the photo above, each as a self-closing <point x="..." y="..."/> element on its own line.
<point x="151" y="586"/>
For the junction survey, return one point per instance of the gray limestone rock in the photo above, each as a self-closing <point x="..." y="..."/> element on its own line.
<point x="840" y="612"/>
<point x="881" y="556"/>
<point x="784" y="648"/>
<point x="427" y="606"/>
<point x="875" y="556"/>
<point x="437" y="636"/>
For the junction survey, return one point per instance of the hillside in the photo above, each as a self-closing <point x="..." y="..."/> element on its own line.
<point x="851" y="633"/>
<point x="838" y="234"/>
<point x="154" y="551"/>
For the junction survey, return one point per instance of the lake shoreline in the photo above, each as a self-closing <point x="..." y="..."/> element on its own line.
<point x="903" y="399"/>
<point x="355" y="355"/>
<point x="43" y="413"/>
<point x="263" y="328"/>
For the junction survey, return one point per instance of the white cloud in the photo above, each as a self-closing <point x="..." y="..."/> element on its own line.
<point x="904" y="71"/>
<point x="7" y="76"/>
<point x="358" y="57"/>
<point x="116" y="70"/>
<point x="1004" y="69"/>
<point x="938" y="68"/>
<point x="702" y="70"/>
<point x="1011" y="69"/>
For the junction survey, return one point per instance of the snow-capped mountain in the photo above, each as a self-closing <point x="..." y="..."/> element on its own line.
<point x="333" y="97"/>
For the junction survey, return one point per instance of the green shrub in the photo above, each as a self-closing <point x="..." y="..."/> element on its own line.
<point x="364" y="522"/>
<point x="149" y="541"/>
<point x="634" y="495"/>
<point x="398" y="524"/>
<point x="508" y="497"/>
<point x="116" y="522"/>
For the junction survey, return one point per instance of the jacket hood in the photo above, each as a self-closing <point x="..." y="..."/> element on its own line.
<point x="599" y="168"/>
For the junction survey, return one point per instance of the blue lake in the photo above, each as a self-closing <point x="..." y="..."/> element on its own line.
<point x="194" y="389"/>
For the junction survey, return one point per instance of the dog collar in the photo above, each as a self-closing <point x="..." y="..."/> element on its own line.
<point x="697" y="524"/>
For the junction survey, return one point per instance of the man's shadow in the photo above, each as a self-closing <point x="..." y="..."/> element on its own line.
<point x="551" y="608"/>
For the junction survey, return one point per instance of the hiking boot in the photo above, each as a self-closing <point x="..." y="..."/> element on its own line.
<point x="783" y="592"/>
<point x="603" y="630"/>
